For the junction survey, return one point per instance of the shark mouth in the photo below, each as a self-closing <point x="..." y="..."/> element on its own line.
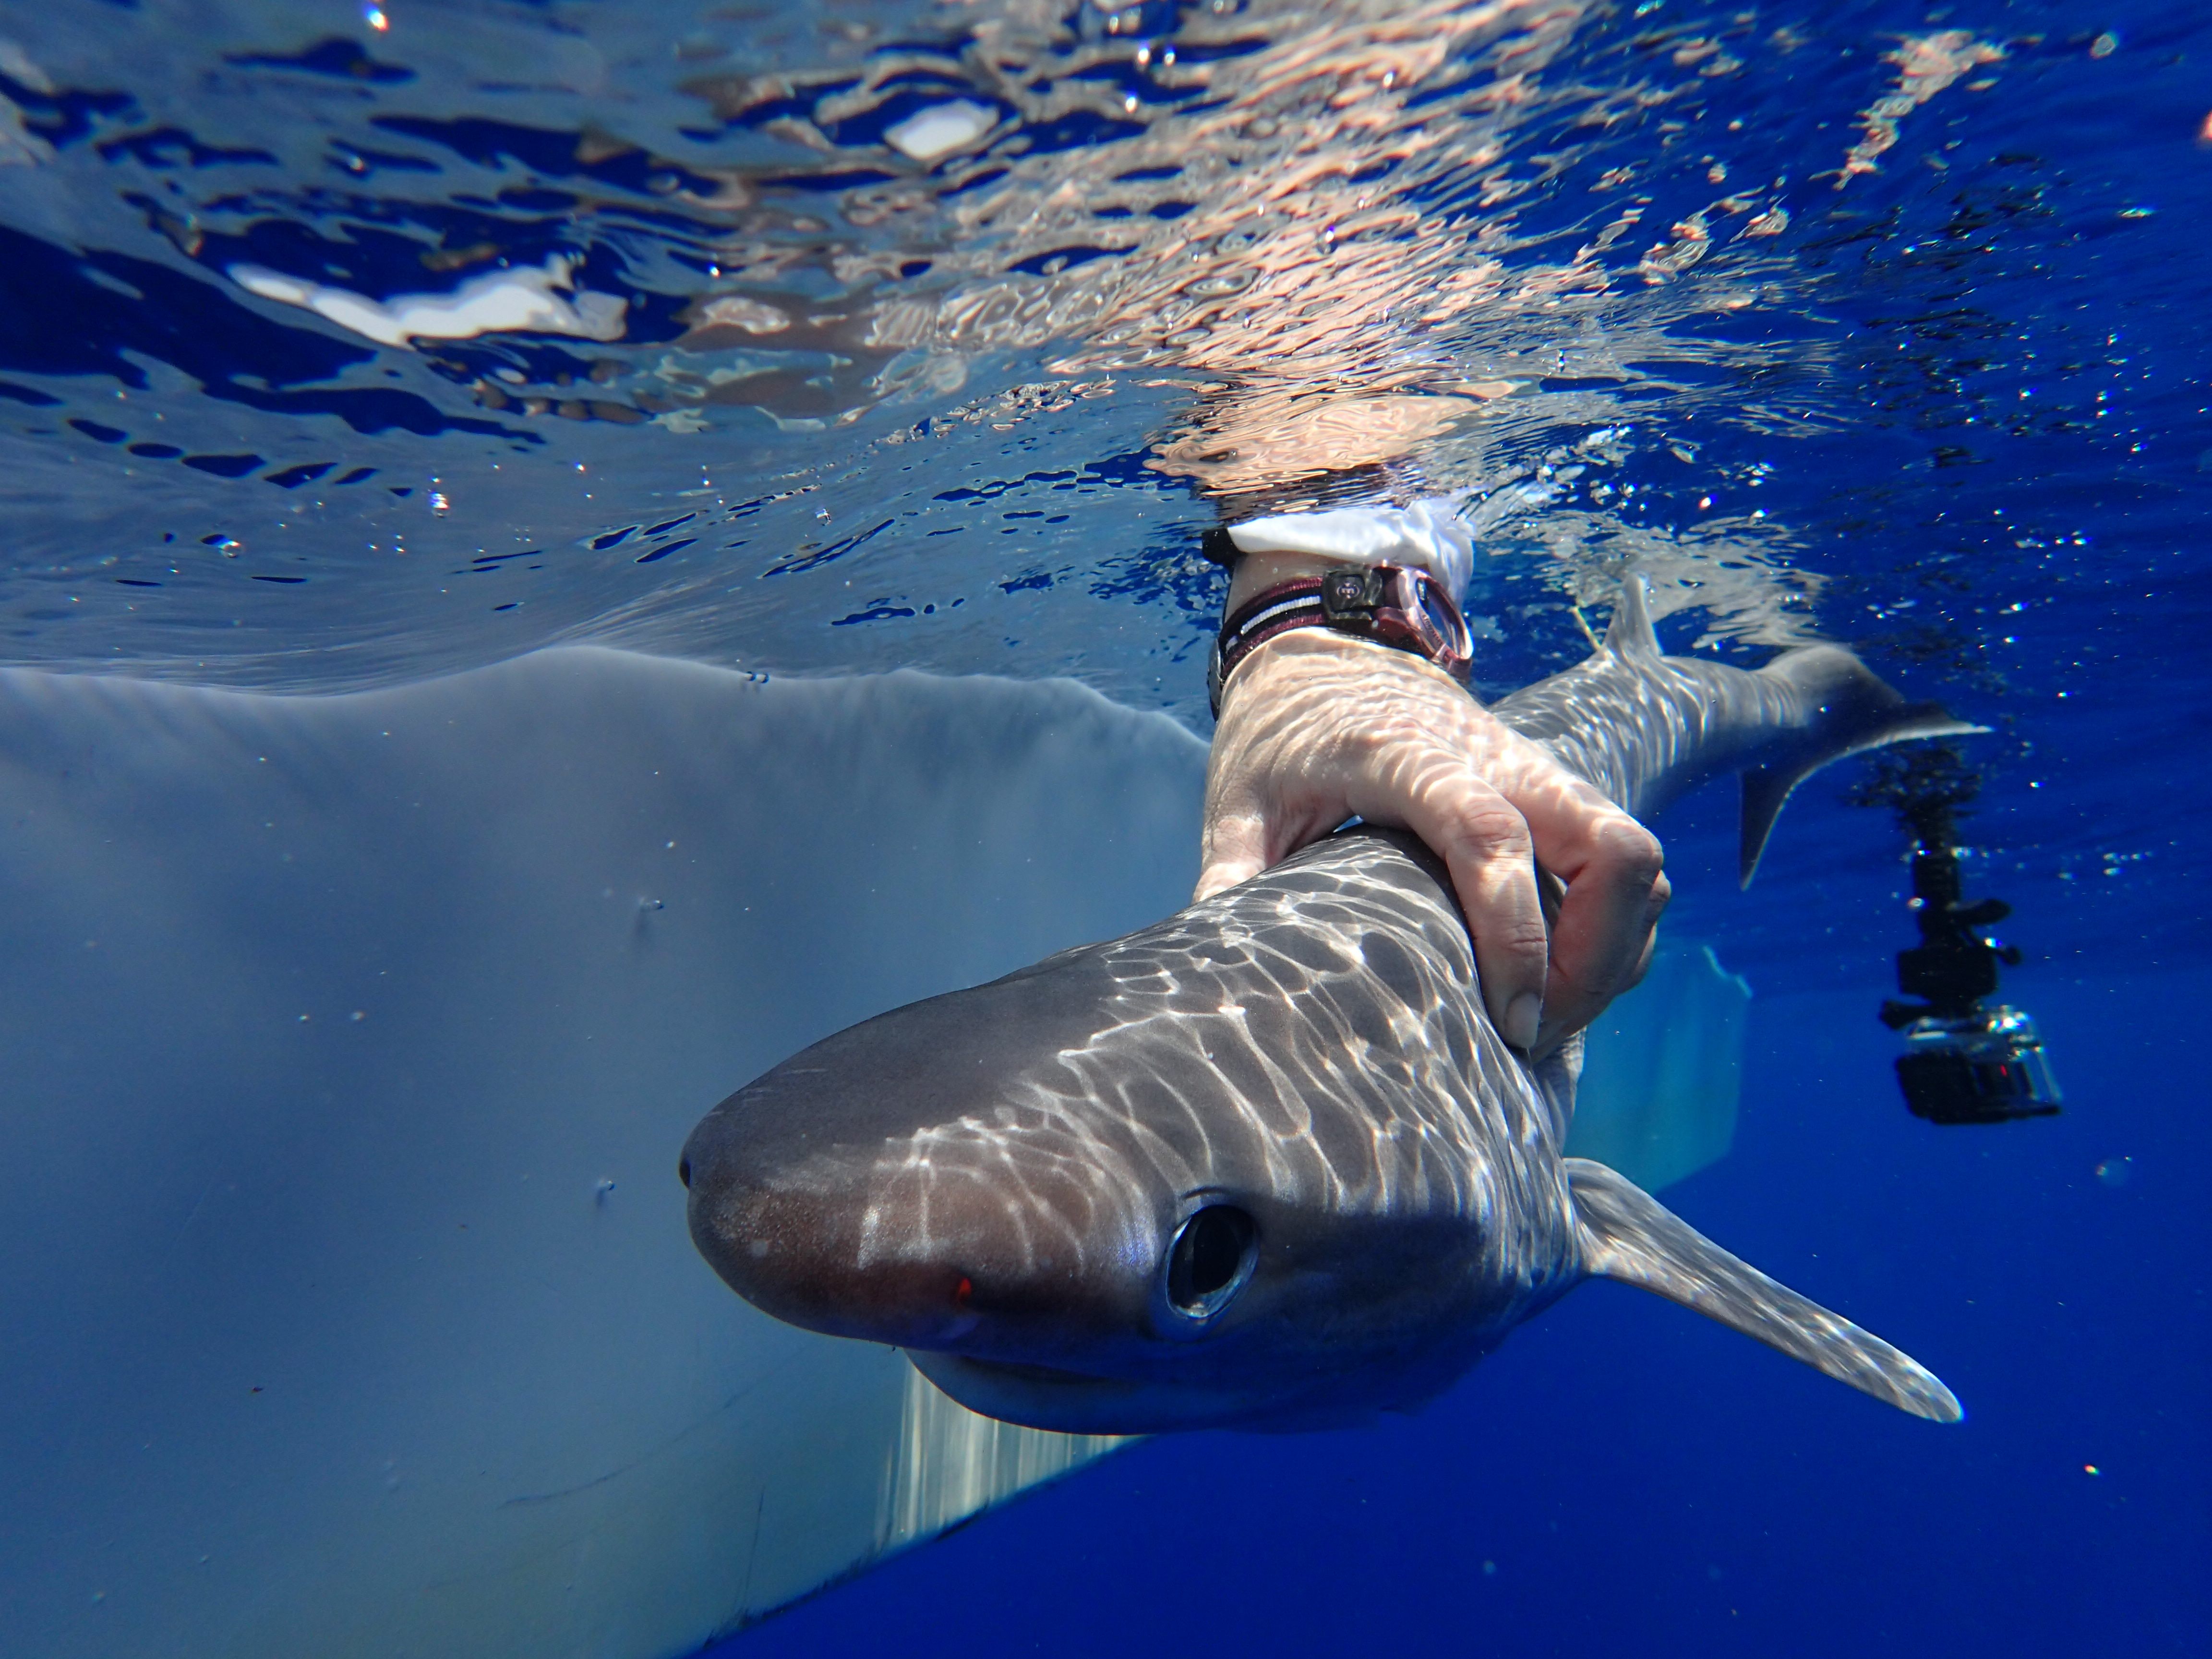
<point x="1044" y="1396"/>
<point x="1077" y="1403"/>
<point x="1033" y="1396"/>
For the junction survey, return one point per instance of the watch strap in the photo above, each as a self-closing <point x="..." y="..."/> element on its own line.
<point x="1398" y="605"/>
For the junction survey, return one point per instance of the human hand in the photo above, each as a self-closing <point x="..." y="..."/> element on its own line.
<point x="1318" y="727"/>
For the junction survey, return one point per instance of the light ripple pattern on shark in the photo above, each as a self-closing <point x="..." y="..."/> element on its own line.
<point x="1266" y="1163"/>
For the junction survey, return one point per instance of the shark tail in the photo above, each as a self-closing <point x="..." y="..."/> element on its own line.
<point x="1628" y="1235"/>
<point x="1859" y="711"/>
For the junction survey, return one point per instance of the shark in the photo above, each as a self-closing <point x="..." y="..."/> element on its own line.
<point x="1268" y="1163"/>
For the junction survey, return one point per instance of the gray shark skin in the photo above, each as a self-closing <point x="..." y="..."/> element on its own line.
<point x="1647" y="728"/>
<point x="1266" y="1163"/>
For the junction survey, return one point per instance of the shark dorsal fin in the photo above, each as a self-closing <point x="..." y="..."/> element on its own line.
<point x="1630" y="634"/>
<point x="1628" y="1235"/>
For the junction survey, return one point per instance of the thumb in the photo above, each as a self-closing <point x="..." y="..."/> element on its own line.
<point x="1236" y="850"/>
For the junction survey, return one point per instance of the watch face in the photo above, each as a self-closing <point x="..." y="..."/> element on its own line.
<point x="1444" y="637"/>
<point x="1438" y="611"/>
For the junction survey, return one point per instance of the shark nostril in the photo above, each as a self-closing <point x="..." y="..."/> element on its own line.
<point x="1210" y="1259"/>
<point x="683" y="1172"/>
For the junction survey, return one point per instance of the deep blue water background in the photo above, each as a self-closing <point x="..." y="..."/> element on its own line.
<point x="1976" y="394"/>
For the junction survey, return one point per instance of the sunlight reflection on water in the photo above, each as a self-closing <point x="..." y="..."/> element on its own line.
<point x="579" y="280"/>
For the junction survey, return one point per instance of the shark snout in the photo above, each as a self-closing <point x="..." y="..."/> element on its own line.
<point x="807" y="1264"/>
<point x="909" y="1243"/>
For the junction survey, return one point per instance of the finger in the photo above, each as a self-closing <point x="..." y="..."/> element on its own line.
<point x="1486" y="845"/>
<point x="1642" y="965"/>
<point x="1236" y="850"/>
<point x="1606" y="925"/>
<point x="1556" y="1032"/>
<point x="1553" y="893"/>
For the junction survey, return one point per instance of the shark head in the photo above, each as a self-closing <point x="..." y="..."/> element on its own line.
<point x="1200" y="1176"/>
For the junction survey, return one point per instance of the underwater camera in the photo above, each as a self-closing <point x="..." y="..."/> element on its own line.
<point x="1965" y="1061"/>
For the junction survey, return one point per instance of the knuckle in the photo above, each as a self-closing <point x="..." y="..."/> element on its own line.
<point x="1490" y="828"/>
<point x="1519" y="937"/>
<point x="1633" y="853"/>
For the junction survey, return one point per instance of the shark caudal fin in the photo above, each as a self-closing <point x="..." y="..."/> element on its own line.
<point x="1628" y="1235"/>
<point x="1859" y="711"/>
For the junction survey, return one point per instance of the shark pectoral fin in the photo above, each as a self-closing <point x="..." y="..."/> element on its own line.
<point x="1628" y="1235"/>
<point x="1767" y="789"/>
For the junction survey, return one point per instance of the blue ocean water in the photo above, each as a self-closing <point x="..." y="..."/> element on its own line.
<point x="1872" y="322"/>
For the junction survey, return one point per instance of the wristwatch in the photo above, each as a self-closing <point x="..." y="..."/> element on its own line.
<point x="1401" y="607"/>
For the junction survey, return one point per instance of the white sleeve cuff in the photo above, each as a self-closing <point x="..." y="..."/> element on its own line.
<point x="1429" y="535"/>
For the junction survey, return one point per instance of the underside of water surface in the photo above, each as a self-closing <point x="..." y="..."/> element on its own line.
<point x="343" y="349"/>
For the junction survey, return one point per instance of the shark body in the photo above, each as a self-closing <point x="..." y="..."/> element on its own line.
<point x="1266" y="1163"/>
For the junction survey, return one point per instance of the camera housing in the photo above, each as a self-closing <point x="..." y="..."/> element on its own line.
<point x="1964" y="1061"/>
<point x="1986" y="1067"/>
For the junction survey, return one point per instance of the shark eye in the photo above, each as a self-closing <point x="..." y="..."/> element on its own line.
<point x="1210" y="1259"/>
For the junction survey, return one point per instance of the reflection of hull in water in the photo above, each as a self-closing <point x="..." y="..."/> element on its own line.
<point x="1663" y="1069"/>
<point x="343" y="1305"/>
